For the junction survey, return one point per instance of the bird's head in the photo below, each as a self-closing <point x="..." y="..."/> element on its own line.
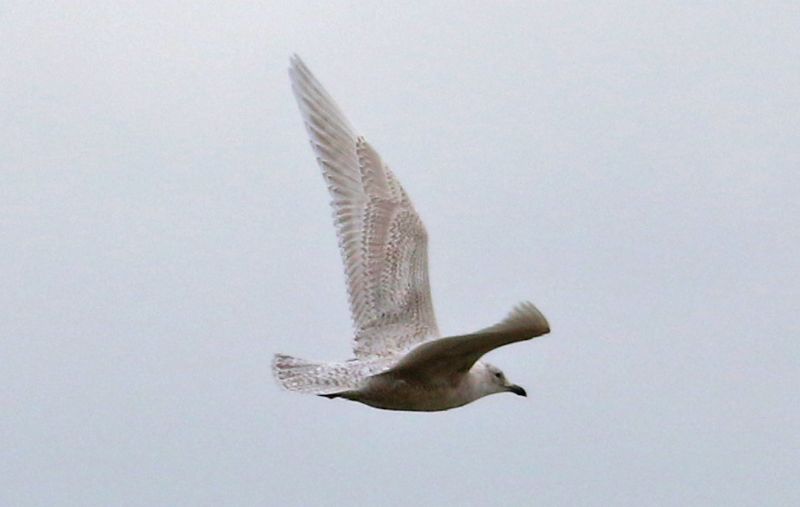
<point x="495" y="381"/>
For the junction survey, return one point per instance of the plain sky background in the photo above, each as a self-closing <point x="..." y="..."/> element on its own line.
<point x="632" y="168"/>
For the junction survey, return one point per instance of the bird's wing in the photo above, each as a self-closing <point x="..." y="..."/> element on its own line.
<point x="381" y="237"/>
<point x="457" y="354"/>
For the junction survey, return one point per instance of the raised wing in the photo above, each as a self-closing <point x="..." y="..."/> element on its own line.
<point x="381" y="237"/>
<point x="457" y="354"/>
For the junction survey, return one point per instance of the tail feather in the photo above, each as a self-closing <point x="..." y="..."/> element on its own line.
<point x="326" y="379"/>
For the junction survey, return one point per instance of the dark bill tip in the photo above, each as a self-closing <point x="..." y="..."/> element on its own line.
<point x="517" y="390"/>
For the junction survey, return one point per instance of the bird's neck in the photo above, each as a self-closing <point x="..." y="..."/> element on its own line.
<point x="476" y="382"/>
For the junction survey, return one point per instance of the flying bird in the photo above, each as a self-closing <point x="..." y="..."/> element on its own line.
<point x="401" y="362"/>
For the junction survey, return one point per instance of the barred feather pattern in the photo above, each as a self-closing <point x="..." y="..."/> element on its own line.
<point x="299" y="375"/>
<point x="382" y="240"/>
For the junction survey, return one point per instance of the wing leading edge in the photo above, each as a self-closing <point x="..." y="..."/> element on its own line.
<point x="457" y="354"/>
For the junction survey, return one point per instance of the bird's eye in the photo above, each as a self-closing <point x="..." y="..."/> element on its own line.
<point x="498" y="374"/>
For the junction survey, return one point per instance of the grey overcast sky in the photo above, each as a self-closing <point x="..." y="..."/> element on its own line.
<point x="631" y="167"/>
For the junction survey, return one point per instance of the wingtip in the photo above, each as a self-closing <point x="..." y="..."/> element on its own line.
<point x="528" y="313"/>
<point x="295" y="62"/>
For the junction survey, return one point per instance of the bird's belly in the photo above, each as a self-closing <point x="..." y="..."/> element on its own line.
<point x="394" y="394"/>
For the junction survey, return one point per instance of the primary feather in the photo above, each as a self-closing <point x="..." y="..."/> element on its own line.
<point x="383" y="242"/>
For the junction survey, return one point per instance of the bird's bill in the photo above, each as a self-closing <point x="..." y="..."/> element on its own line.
<point x="517" y="390"/>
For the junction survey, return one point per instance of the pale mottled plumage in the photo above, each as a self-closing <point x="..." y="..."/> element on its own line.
<point x="400" y="361"/>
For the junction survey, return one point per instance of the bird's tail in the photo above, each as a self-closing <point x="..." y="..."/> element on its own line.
<point x="325" y="379"/>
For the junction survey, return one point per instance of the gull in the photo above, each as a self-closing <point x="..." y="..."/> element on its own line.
<point x="401" y="362"/>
